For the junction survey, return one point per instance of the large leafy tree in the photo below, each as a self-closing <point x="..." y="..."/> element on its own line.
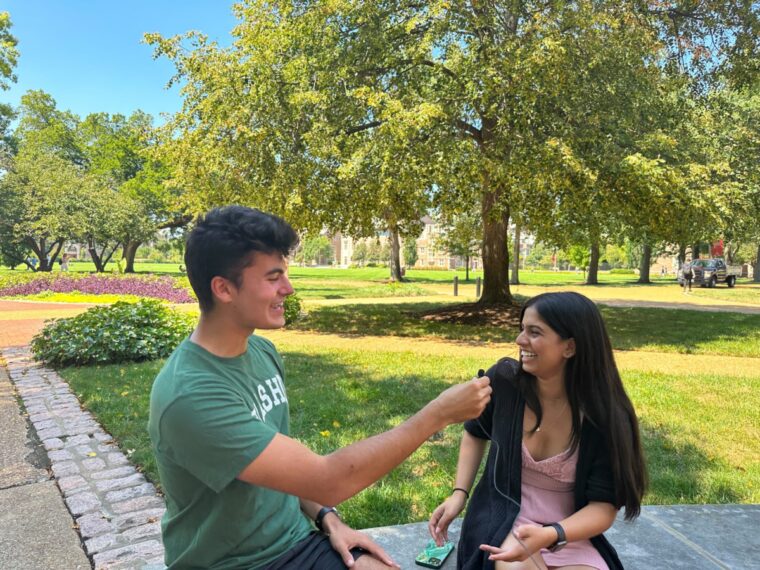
<point x="736" y="138"/>
<point x="477" y="92"/>
<point x="42" y="196"/>
<point x="11" y="252"/>
<point x="479" y="85"/>
<point x="44" y="182"/>
<point x="118" y="153"/>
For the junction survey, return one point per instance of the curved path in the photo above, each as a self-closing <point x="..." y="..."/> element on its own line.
<point x="21" y="320"/>
<point x="746" y="309"/>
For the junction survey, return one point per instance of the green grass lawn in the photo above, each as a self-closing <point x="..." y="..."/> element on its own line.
<point x="700" y="430"/>
<point x="700" y="423"/>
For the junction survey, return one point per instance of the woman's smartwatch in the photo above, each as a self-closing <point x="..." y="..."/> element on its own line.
<point x="321" y="515"/>
<point x="561" y="538"/>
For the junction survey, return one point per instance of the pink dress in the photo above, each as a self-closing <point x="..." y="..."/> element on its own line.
<point x="547" y="496"/>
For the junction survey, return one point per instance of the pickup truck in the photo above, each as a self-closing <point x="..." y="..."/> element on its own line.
<point x="710" y="272"/>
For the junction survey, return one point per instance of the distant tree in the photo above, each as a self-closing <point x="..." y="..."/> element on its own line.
<point x="122" y="150"/>
<point x="360" y="253"/>
<point x="615" y="256"/>
<point x="462" y="237"/>
<point x="42" y="200"/>
<point x="540" y="256"/>
<point x="579" y="256"/>
<point x="112" y="216"/>
<point x="317" y="250"/>
<point x="410" y="251"/>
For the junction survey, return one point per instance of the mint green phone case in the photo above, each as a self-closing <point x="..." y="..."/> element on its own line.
<point x="434" y="556"/>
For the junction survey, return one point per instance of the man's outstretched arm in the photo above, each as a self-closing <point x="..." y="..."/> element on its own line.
<point x="289" y="466"/>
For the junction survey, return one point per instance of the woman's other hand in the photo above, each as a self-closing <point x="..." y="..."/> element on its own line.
<point x="439" y="522"/>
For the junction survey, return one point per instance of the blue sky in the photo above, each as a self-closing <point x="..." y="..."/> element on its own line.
<point x="88" y="53"/>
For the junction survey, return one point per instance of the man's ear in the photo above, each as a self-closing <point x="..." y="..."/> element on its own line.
<point x="570" y="348"/>
<point x="222" y="289"/>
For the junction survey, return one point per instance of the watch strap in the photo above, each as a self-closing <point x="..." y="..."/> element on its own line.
<point x="321" y="515"/>
<point x="561" y="537"/>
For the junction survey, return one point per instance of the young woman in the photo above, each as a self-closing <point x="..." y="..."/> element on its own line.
<point x="565" y="450"/>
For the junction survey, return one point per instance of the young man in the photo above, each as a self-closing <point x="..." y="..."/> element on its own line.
<point x="241" y="493"/>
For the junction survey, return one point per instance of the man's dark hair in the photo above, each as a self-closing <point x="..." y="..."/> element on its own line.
<point x="224" y="242"/>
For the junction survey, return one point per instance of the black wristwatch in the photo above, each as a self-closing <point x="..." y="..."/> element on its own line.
<point x="561" y="538"/>
<point x="321" y="515"/>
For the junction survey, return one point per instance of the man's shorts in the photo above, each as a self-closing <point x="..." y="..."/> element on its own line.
<point x="313" y="553"/>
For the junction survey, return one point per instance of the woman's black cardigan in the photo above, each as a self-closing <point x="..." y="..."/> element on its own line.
<point x="489" y="515"/>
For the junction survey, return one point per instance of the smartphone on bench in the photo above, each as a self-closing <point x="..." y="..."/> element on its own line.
<point x="434" y="556"/>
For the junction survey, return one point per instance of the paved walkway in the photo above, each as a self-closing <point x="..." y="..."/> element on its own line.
<point x="98" y="502"/>
<point x="745" y="309"/>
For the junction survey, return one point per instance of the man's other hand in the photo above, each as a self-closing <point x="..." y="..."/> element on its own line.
<point x="343" y="538"/>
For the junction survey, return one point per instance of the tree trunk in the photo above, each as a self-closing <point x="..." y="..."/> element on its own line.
<point x="695" y="251"/>
<point x="593" y="264"/>
<point x="756" y="272"/>
<point x="515" y="278"/>
<point x="466" y="267"/>
<point x="681" y="254"/>
<point x="42" y="251"/>
<point x="731" y="251"/>
<point x="104" y="259"/>
<point x="130" y="249"/>
<point x="646" y="257"/>
<point x="395" y="254"/>
<point x="58" y="246"/>
<point x="92" y="248"/>
<point x="495" y="251"/>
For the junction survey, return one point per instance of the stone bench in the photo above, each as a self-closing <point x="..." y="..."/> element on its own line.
<point x="692" y="537"/>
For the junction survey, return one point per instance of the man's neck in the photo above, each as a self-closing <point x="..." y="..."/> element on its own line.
<point x="220" y="336"/>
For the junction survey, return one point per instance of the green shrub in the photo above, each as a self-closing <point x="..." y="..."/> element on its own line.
<point x="121" y="332"/>
<point x="622" y="272"/>
<point x="293" y="308"/>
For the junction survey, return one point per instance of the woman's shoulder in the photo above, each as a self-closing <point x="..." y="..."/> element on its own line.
<point x="504" y="373"/>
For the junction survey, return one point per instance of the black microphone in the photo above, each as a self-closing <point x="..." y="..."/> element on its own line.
<point x="481" y="373"/>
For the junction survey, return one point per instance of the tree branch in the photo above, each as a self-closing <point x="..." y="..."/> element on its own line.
<point x="471" y="130"/>
<point x="359" y="128"/>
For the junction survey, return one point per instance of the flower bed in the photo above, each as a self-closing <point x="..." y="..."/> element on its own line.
<point x="157" y="287"/>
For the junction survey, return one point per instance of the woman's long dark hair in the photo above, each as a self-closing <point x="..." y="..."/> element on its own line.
<point x="594" y="390"/>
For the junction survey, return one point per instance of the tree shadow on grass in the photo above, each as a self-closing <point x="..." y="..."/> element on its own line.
<point x="683" y="331"/>
<point x="403" y="319"/>
<point x="630" y="328"/>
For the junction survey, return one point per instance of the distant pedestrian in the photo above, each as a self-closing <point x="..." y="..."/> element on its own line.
<point x="64" y="262"/>
<point x="688" y="274"/>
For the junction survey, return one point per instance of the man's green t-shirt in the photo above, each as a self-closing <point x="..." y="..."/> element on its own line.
<point x="209" y="418"/>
